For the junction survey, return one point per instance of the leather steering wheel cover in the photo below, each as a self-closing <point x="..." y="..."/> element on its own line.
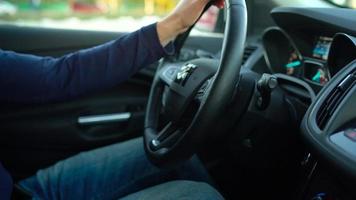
<point x="219" y="95"/>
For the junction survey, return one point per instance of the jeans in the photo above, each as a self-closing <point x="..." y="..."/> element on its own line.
<point x="110" y="172"/>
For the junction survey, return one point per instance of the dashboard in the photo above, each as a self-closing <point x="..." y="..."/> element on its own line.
<point x="311" y="54"/>
<point x="316" y="48"/>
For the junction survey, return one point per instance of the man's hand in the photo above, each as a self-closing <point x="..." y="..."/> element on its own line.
<point x="181" y="18"/>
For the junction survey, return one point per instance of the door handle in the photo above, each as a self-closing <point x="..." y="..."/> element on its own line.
<point x="104" y="119"/>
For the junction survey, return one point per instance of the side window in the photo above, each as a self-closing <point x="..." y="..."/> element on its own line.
<point x="344" y="3"/>
<point x="105" y="15"/>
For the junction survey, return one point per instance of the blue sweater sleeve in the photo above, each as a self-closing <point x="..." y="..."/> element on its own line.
<point x="34" y="79"/>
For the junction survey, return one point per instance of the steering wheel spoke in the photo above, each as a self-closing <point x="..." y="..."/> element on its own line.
<point x="166" y="137"/>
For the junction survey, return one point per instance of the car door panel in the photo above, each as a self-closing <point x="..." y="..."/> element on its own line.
<point x="47" y="133"/>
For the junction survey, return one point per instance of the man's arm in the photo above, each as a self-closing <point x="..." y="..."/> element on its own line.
<point x="32" y="79"/>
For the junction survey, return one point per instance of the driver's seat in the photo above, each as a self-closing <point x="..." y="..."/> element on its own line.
<point x="166" y="191"/>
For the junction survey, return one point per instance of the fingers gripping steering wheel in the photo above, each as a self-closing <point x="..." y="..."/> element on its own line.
<point x="174" y="91"/>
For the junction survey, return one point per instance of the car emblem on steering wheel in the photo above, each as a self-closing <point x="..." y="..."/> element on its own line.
<point x="185" y="72"/>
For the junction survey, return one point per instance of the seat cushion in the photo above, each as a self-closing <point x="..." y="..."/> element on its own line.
<point x="181" y="189"/>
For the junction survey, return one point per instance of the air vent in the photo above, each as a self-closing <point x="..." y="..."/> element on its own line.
<point x="247" y="53"/>
<point x="334" y="99"/>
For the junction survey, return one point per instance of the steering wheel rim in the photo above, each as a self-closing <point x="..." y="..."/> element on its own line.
<point x="180" y="145"/>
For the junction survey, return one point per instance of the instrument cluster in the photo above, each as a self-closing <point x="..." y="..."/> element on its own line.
<point x="283" y="56"/>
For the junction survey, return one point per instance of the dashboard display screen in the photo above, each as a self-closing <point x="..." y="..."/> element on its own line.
<point x="293" y="64"/>
<point x="320" y="76"/>
<point x="322" y="47"/>
<point x="316" y="72"/>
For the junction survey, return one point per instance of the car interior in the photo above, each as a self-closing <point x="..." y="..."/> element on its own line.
<point x="268" y="104"/>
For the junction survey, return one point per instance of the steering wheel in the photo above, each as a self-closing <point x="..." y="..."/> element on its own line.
<point x="190" y="98"/>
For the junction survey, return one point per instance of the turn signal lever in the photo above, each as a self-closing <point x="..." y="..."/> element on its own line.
<point x="265" y="87"/>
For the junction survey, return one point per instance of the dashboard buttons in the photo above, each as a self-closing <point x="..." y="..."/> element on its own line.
<point x="170" y="73"/>
<point x="351" y="134"/>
